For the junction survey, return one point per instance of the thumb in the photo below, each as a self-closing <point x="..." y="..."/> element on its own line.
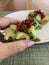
<point x="20" y="45"/>
<point x="23" y="44"/>
<point x="11" y="48"/>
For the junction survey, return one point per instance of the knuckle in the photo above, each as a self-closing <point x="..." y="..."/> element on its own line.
<point x="20" y="47"/>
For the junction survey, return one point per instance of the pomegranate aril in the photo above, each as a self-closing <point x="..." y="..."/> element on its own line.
<point x="39" y="12"/>
<point x="23" y="22"/>
<point x="31" y="19"/>
<point x="30" y="24"/>
<point x="27" y="21"/>
<point x="42" y="15"/>
<point x="17" y="23"/>
<point x="18" y="27"/>
<point x="25" y="31"/>
<point x="22" y="30"/>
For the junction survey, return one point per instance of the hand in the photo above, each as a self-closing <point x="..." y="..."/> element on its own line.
<point x="6" y="21"/>
<point x="11" y="48"/>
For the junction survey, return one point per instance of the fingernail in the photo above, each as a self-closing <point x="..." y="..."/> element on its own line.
<point x="30" y="43"/>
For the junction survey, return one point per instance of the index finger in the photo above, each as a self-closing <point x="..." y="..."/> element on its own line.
<point x="5" y="21"/>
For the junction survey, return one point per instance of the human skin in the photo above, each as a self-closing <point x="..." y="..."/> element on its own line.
<point x="15" y="47"/>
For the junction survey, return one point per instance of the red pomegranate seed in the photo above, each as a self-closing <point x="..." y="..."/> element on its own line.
<point x="39" y="12"/>
<point x="17" y="23"/>
<point x="18" y="27"/>
<point x="23" y="22"/>
<point x="42" y="15"/>
<point x="32" y="22"/>
<point x="31" y="19"/>
<point x="27" y="21"/>
<point x="28" y="26"/>
<point x="25" y="31"/>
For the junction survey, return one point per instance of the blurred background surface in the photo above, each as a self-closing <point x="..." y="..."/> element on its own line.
<point x="14" y="5"/>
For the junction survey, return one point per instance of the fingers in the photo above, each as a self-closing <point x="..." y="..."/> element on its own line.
<point x="6" y="21"/>
<point x="11" y="48"/>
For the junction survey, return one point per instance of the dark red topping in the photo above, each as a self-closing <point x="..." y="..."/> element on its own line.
<point x="28" y="22"/>
<point x="39" y="12"/>
<point x="18" y="25"/>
